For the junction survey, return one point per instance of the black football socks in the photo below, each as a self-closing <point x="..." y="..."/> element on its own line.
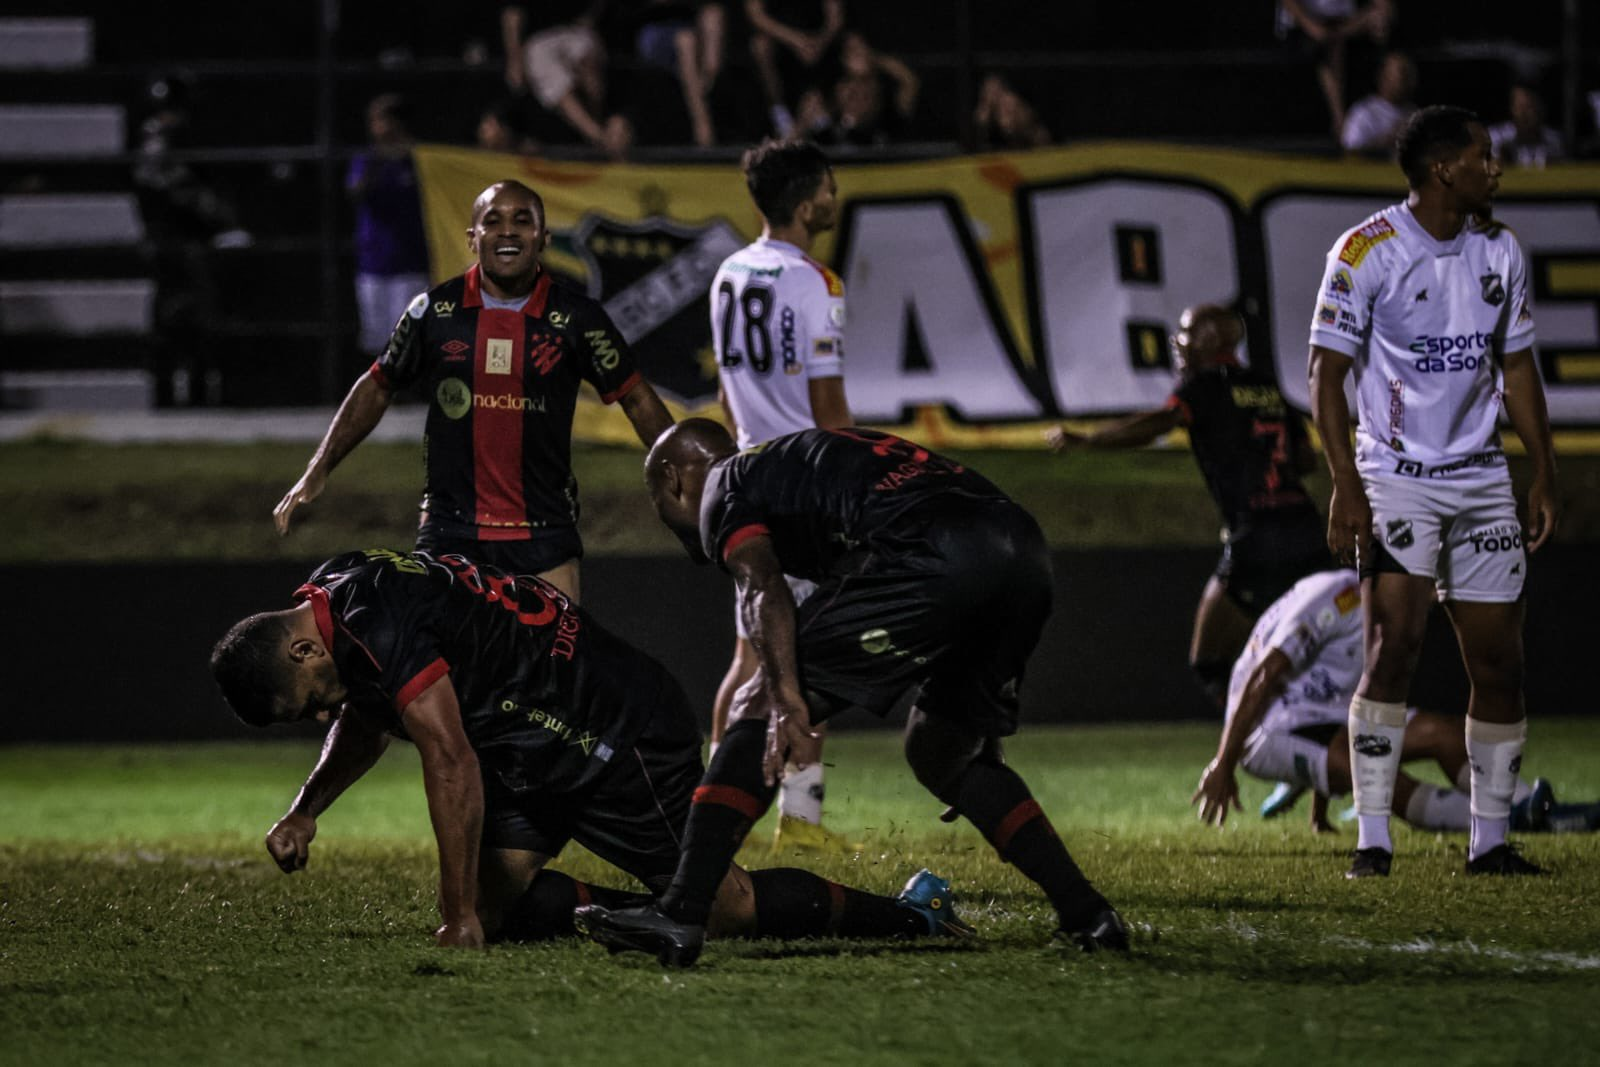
<point x="730" y="798"/>
<point x="545" y="908"/>
<point x="791" y="903"/>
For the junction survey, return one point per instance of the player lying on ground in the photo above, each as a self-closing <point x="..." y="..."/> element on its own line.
<point x="535" y="727"/>
<point x="1287" y="721"/>
<point x="928" y="579"/>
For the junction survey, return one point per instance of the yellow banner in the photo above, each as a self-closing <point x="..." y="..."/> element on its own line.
<point x="990" y="296"/>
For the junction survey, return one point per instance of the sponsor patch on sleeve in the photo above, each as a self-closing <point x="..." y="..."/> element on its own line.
<point x="1341" y="286"/>
<point x="1328" y="315"/>
<point x="834" y="282"/>
<point x="827" y="346"/>
<point x="1347" y="599"/>
<point x="1358" y="244"/>
<point x="836" y="316"/>
<point x="418" y="306"/>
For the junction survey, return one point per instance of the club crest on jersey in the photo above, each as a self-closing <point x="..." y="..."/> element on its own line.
<point x="1494" y="292"/>
<point x="1358" y="244"/>
<point x="653" y="276"/>
<point x="1397" y="533"/>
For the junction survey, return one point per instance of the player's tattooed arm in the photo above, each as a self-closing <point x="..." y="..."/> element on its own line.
<point x="766" y="606"/>
<point x="352" y="747"/>
<point x="451" y="777"/>
<point x="1219" y="788"/>
<point x="1349" y="511"/>
<point x="362" y="409"/>
<point x="1525" y="406"/>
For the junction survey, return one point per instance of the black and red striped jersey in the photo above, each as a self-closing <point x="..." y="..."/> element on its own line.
<point x="823" y="494"/>
<point x="502" y="386"/>
<point x="531" y="672"/>
<point x="1245" y="439"/>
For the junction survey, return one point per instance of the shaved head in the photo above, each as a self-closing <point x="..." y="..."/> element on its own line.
<point x="675" y="472"/>
<point x="1208" y="334"/>
<point x="489" y="195"/>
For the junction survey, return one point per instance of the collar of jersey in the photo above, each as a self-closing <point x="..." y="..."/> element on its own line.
<point x="533" y="308"/>
<point x="773" y="242"/>
<point x="1428" y="240"/>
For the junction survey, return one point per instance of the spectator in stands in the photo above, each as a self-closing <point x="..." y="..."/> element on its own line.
<point x="1524" y="140"/>
<point x="1374" y="121"/>
<point x="500" y="129"/>
<point x="1322" y="29"/>
<point x="391" y="250"/>
<point x="684" y="38"/>
<point x="185" y="220"/>
<point x="788" y="41"/>
<point x="565" y="68"/>
<point x="1003" y="120"/>
<point x="869" y="103"/>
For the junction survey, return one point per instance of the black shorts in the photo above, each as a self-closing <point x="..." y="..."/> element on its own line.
<point x="1269" y="553"/>
<point x="633" y="815"/>
<point x="952" y="599"/>
<point x="543" y="550"/>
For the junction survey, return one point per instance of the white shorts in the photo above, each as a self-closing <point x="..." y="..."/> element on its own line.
<point x="1463" y="534"/>
<point x="381" y="299"/>
<point x="800" y="587"/>
<point x="1275" y="752"/>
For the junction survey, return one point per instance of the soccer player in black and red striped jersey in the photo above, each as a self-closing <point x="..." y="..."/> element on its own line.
<point x="500" y="353"/>
<point x="928" y="578"/>
<point x="535" y="726"/>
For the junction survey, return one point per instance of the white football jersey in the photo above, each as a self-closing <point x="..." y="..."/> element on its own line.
<point x="1427" y="323"/>
<point x="1317" y="624"/>
<point x="777" y="321"/>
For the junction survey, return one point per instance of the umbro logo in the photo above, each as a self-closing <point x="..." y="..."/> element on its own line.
<point x="455" y="350"/>
<point x="1421" y="296"/>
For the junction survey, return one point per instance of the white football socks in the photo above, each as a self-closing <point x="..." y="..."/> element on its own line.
<point x="1377" y="731"/>
<point x="1433" y="807"/>
<point x="800" y="796"/>
<point x="1494" y="750"/>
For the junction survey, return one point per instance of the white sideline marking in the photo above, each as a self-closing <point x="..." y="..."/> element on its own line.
<point x="1424" y="946"/>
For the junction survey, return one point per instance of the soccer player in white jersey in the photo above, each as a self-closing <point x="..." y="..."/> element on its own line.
<point x="777" y="323"/>
<point x="1428" y="301"/>
<point x="1288" y="706"/>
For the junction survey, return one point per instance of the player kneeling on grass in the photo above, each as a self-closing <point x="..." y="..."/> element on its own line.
<point x="929" y="579"/>
<point x="1287" y="721"/>
<point x="536" y="727"/>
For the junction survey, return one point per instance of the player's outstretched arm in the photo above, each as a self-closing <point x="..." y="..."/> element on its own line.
<point x="1135" y="431"/>
<point x="1349" y="511"/>
<point x="1219" y="788"/>
<point x="455" y="805"/>
<point x="766" y="605"/>
<point x="352" y="747"/>
<point x="1525" y="406"/>
<point x="362" y="409"/>
<point x="645" y="410"/>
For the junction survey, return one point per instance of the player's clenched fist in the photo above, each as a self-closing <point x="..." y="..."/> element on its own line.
<point x="289" y="841"/>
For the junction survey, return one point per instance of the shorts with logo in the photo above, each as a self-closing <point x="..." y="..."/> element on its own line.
<point x="1279" y="751"/>
<point x="542" y="550"/>
<point x="1269" y="552"/>
<point x="634" y="814"/>
<point x="1464" y="534"/>
<point x="799" y="587"/>
<point x="952" y="599"/>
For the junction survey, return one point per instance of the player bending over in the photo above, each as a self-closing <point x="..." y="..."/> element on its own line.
<point x="1287" y="709"/>
<point x="536" y="727"/>
<point x="929" y="580"/>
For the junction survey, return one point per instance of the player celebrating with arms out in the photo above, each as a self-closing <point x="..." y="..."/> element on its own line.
<point x="1429" y="302"/>
<point x="777" y="324"/>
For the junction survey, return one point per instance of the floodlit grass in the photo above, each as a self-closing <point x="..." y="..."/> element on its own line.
<point x="142" y="922"/>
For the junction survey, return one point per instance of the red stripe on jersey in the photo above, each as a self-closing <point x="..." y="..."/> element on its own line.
<point x="534" y="308"/>
<point x="424" y="678"/>
<point x="319" y="611"/>
<point x="505" y="533"/>
<point x="622" y="390"/>
<point x="835" y="906"/>
<point x="498" y="398"/>
<point x="1184" y="413"/>
<point x="1015" y="820"/>
<point x="379" y="375"/>
<point x="729" y="797"/>
<point x="584" y="896"/>
<point x="472" y="293"/>
<point x="740" y="536"/>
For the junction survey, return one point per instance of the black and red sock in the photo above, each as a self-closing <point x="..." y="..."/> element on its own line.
<point x="544" y="910"/>
<point x="791" y="903"/>
<point x="997" y="801"/>
<point x="730" y="798"/>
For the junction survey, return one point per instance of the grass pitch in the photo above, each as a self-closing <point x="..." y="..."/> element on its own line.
<point x="142" y="922"/>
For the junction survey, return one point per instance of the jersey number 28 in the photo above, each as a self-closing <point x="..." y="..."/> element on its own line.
<point x="755" y="304"/>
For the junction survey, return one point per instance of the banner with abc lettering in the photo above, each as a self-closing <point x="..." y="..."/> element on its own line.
<point x="989" y="296"/>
